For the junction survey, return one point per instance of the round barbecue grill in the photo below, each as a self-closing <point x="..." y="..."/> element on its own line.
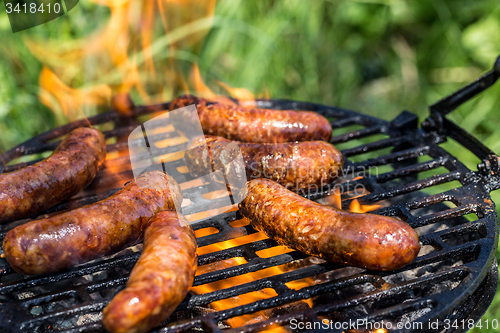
<point x="448" y="287"/>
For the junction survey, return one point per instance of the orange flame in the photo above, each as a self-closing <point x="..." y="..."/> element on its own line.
<point x="203" y="90"/>
<point x="122" y="56"/>
<point x="117" y="172"/>
<point x="58" y="96"/>
<point x="335" y="200"/>
<point x="122" y="59"/>
<point x="245" y="278"/>
<point x="244" y="96"/>
<point x="356" y="207"/>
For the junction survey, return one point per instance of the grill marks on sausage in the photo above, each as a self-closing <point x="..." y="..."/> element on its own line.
<point x="364" y="240"/>
<point x="294" y="165"/>
<point x="108" y="226"/>
<point x="160" y="279"/>
<point x="253" y="124"/>
<point x="69" y="169"/>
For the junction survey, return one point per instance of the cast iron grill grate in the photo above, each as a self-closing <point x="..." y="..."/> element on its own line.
<point x="456" y="269"/>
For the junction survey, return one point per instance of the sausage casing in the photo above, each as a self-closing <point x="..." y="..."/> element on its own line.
<point x="294" y="165"/>
<point x="69" y="169"/>
<point x="108" y="226"/>
<point x="161" y="278"/>
<point x="363" y="240"/>
<point x="248" y="124"/>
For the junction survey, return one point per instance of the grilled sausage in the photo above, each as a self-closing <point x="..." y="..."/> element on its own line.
<point x="235" y="122"/>
<point x="74" y="237"/>
<point x="294" y="165"/>
<point x="364" y="240"/>
<point x="70" y="168"/>
<point x="160" y="279"/>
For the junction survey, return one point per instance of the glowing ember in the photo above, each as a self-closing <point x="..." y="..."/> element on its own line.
<point x="245" y="278"/>
<point x="261" y="274"/>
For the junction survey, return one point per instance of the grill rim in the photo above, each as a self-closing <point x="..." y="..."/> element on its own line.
<point x="381" y="126"/>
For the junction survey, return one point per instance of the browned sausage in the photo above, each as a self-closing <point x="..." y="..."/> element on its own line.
<point x="70" y="168"/>
<point x="160" y="279"/>
<point x="364" y="240"/>
<point x="253" y="124"/>
<point x="74" y="237"/>
<point x="294" y="165"/>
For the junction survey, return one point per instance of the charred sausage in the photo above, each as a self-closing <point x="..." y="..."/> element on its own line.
<point x="364" y="240"/>
<point x="74" y="237"/>
<point x="69" y="169"/>
<point x="160" y="280"/>
<point x="294" y="165"/>
<point x="253" y="124"/>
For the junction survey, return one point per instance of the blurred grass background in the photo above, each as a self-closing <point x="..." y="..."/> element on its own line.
<point x="376" y="57"/>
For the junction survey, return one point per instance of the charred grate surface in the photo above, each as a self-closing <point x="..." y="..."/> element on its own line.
<point x="415" y="184"/>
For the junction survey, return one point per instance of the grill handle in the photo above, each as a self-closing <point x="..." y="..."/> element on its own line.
<point x="437" y="122"/>
<point x="451" y="102"/>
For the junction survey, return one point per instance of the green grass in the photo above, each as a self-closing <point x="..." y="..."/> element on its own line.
<point x="377" y="57"/>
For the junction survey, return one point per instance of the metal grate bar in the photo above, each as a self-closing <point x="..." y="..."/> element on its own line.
<point x="430" y="279"/>
<point x="345" y="122"/>
<point x="441" y="216"/>
<point x="410" y="170"/>
<point x="392" y="158"/>
<point x="356" y="134"/>
<point x="408" y="143"/>
<point x="411" y="187"/>
<point x="384" y="143"/>
<point x="83" y="308"/>
<point x="90" y="268"/>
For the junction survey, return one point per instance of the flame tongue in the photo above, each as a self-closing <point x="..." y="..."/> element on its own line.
<point x="244" y="96"/>
<point x="245" y="278"/>
<point x="356" y="207"/>
<point x="126" y="54"/>
<point x="335" y="200"/>
<point x="202" y="90"/>
<point x="68" y="101"/>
